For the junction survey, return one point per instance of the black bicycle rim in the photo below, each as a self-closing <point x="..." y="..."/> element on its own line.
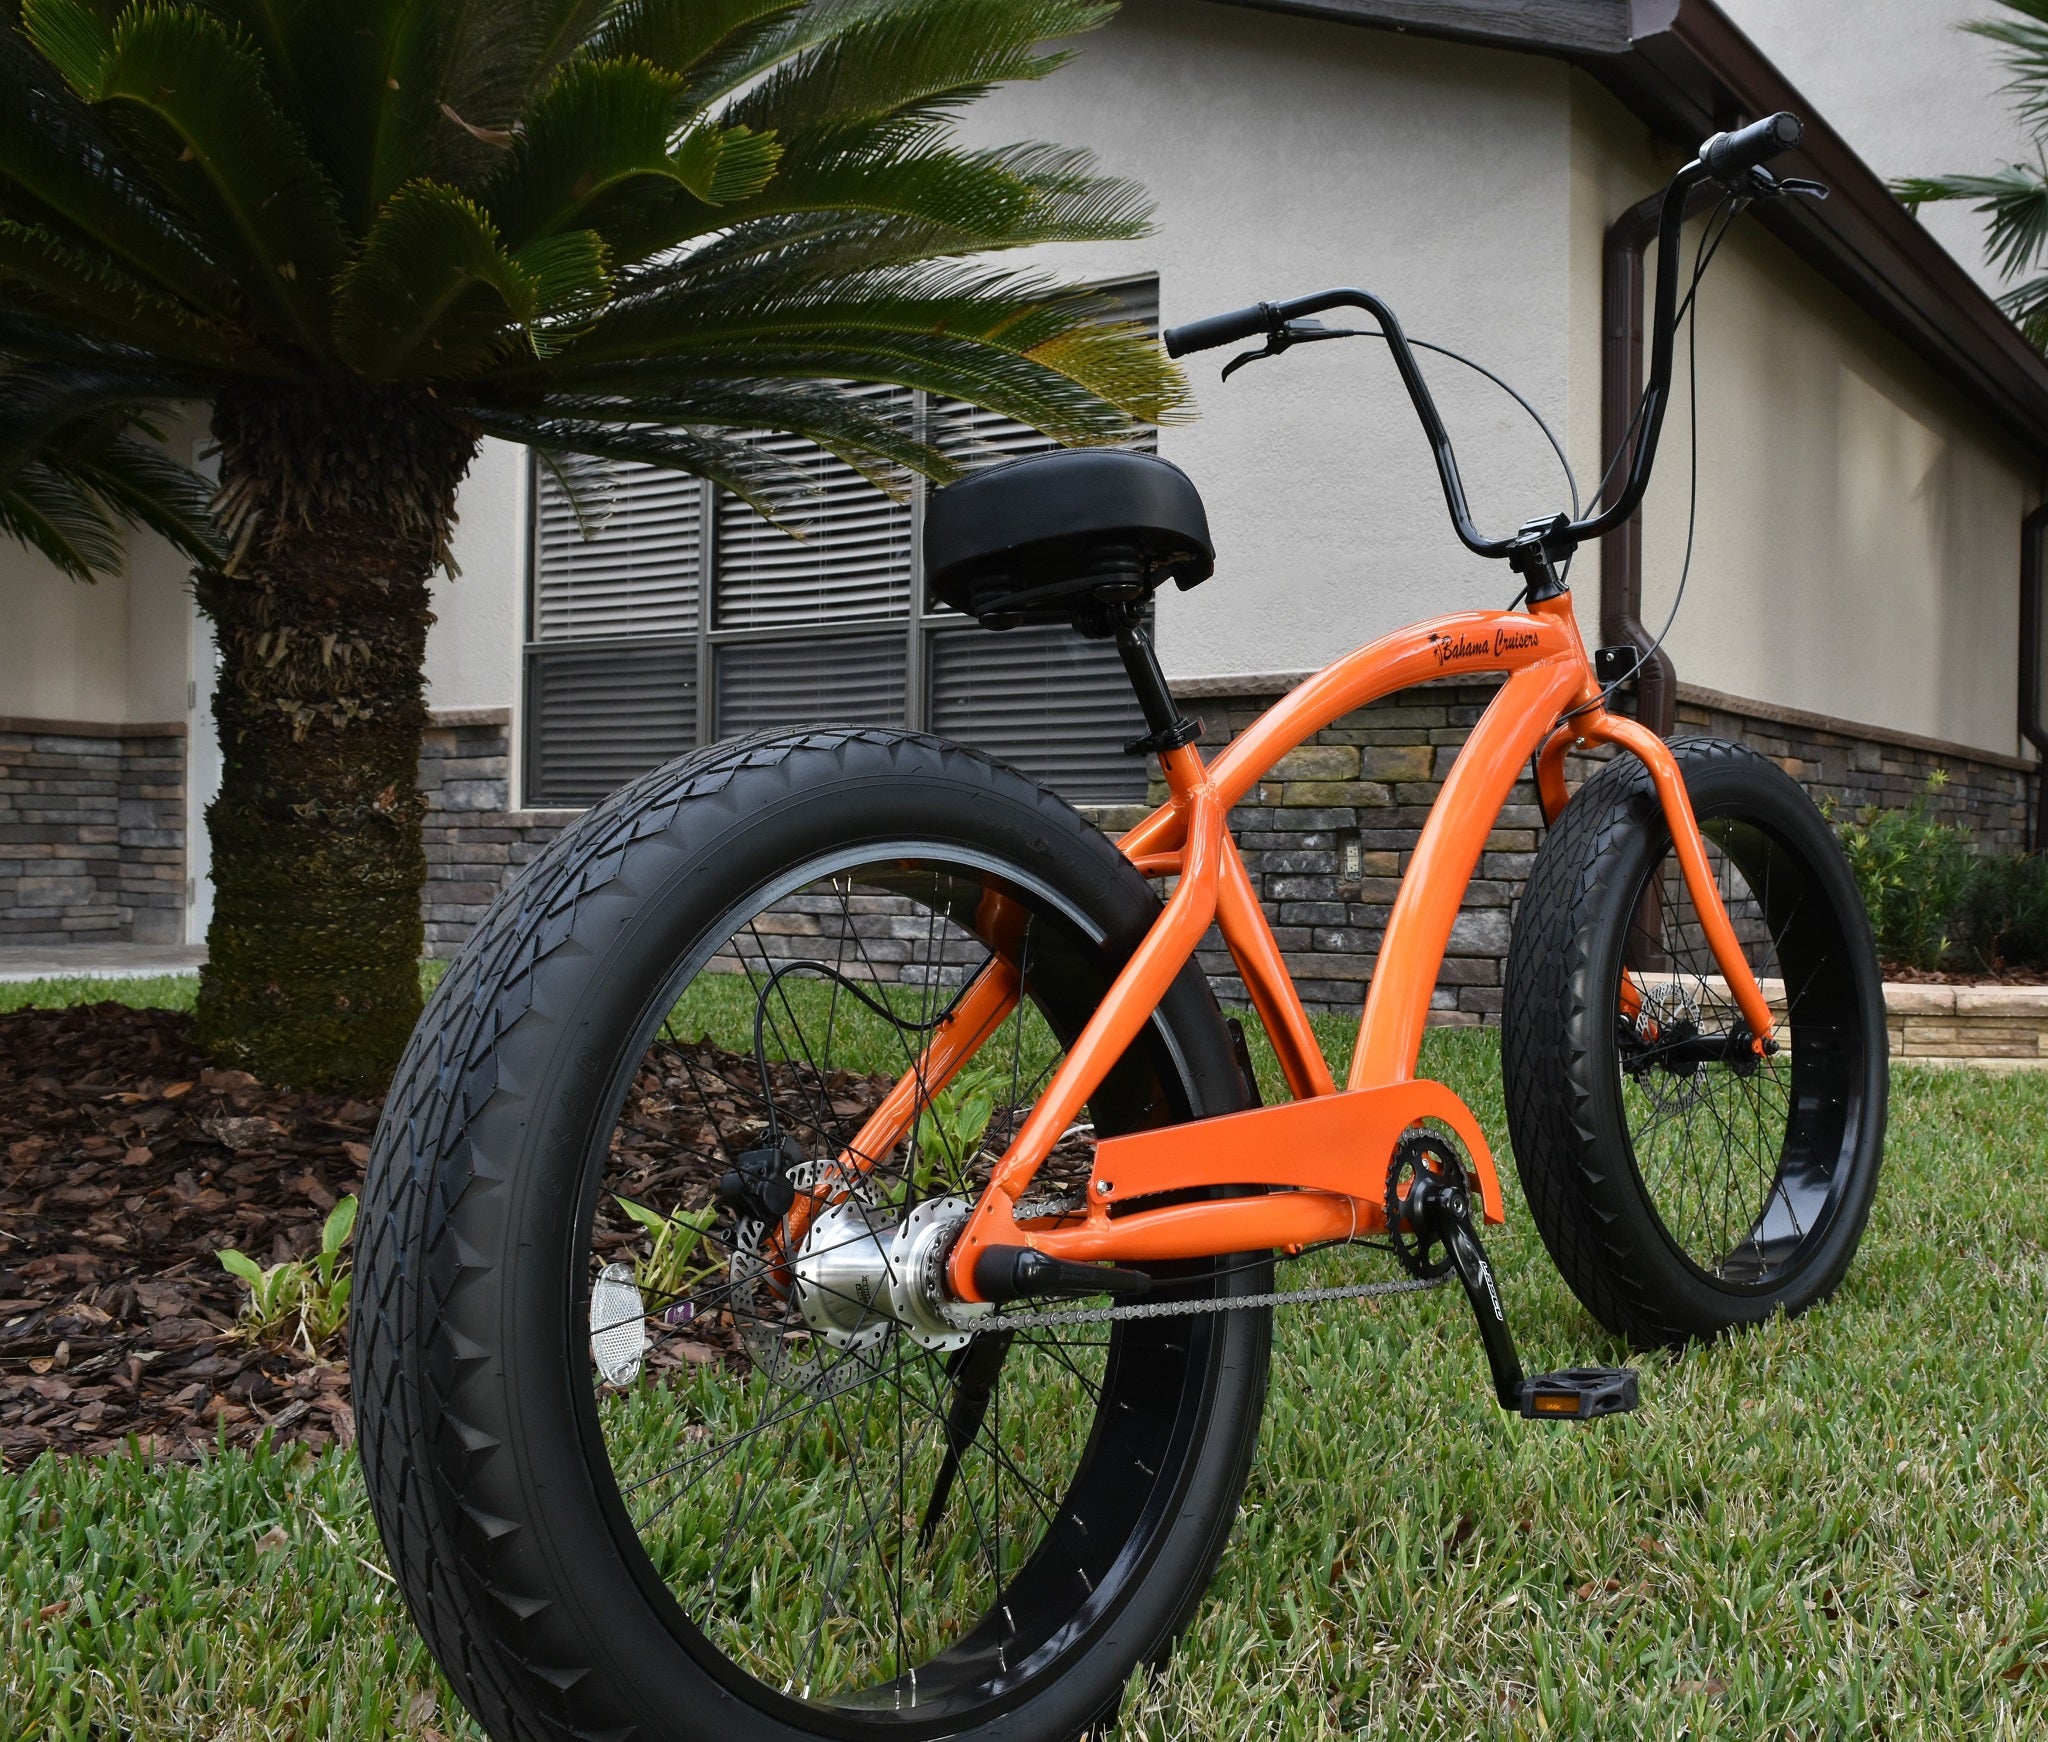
<point x="1743" y="1158"/>
<point x="1034" y="1566"/>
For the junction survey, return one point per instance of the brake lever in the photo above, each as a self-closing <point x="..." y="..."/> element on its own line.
<point x="1284" y="338"/>
<point x="1763" y="185"/>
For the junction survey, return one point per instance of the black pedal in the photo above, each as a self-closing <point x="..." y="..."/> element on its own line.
<point x="1579" y="1394"/>
<point x="1429" y="1207"/>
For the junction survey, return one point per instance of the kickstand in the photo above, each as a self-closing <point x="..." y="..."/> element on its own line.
<point x="1440" y="1206"/>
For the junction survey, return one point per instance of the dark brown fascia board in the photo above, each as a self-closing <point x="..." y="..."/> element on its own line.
<point x="1685" y="68"/>
<point x="1546" y="26"/>
<point x="1698" y="73"/>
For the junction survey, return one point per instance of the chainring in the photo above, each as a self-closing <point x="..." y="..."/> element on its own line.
<point x="1424" y="1256"/>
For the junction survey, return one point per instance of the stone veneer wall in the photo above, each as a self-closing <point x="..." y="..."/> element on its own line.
<point x="474" y="839"/>
<point x="1328" y="836"/>
<point x="92" y="833"/>
<point x="92" y="825"/>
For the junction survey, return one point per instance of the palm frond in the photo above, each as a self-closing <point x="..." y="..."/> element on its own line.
<point x="2027" y="304"/>
<point x="88" y="287"/>
<point x="2014" y="203"/>
<point x="599" y="151"/>
<point x="683" y="39"/>
<point x="60" y="519"/>
<point x="436" y="293"/>
<point x="77" y="464"/>
<point x="2024" y="38"/>
<point x="196" y="99"/>
<point x="760" y="477"/>
<point x="60" y="167"/>
<point x="926" y="56"/>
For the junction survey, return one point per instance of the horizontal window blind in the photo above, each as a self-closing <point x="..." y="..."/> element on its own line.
<point x="849" y="559"/>
<point x="640" y="570"/>
<point x="852" y="679"/>
<point x="597" y="715"/>
<point x="1052" y="702"/>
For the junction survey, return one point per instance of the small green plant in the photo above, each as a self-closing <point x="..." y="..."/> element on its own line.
<point x="951" y="1129"/>
<point x="1913" y="872"/>
<point x="668" y="1271"/>
<point x="314" y="1293"/>
<point x="2004" y="918"/>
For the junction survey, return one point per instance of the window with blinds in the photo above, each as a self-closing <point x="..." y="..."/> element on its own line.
<point x="672" y="614"/>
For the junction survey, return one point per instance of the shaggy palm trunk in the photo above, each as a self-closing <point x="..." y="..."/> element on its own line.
<point x="339" y="503"/>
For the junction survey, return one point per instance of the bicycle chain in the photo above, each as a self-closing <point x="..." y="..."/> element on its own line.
<point x="1165" y="1309"/>
<point x="747" y="1241"/>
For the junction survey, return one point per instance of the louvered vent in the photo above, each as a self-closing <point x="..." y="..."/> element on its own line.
<point x="598" y="715"/>
<point x="637" y="573"/>
<point x="617" y="631"/>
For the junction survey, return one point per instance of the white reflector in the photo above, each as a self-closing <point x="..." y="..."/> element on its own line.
<point x="618" y="1329"/>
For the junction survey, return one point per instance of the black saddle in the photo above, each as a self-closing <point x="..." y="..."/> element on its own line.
<point x="1065" y="537"/>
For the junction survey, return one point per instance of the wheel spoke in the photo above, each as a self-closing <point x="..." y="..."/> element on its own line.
<point x="833" y="1505"/>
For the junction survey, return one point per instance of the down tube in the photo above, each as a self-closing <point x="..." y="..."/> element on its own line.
<point x="1419" y="929"/>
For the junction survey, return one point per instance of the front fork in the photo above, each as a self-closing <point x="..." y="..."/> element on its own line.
<point x="1597" y="726"/>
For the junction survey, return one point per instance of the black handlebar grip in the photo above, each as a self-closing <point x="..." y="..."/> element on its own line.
<point x="1729" y="155"/>
<point x="1207" y="334"/>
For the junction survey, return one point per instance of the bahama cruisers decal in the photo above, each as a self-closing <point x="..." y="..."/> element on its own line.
<point x="1502" y="642"/>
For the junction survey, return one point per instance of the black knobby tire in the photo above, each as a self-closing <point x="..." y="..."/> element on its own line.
<point x="1683" y="1185"/>
<point x="487" y="1444"/>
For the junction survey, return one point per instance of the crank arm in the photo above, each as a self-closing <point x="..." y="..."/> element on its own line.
<point x="1575" y="1394"/>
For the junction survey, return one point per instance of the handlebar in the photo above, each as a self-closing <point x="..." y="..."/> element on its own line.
<point x="1214" y="330"/>
<point x="1729" y="156"/>
<point x="1726" y="157"/>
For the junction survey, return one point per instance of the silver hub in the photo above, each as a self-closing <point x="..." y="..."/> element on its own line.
<point x="859" y="1276"/>
<point x="918" y="1294"/>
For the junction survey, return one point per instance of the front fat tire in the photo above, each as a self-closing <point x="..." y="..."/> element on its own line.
<point x="479" y="1477"/>
<point x="1561" y="1058"/>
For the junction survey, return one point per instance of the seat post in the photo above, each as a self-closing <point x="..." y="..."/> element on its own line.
<point x="1167" y="728"/>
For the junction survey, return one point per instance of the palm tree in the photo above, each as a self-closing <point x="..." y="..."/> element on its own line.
<point x="2014" y="199"/>
<point x="370" y="233"/>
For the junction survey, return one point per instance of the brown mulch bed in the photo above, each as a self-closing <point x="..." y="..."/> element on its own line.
<point x="1972" y="977"/>
<point x="126" y="1164"/>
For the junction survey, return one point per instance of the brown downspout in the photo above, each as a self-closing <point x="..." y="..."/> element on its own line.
<point x="2032" y="726"/>
<point x="1621" y="387"/>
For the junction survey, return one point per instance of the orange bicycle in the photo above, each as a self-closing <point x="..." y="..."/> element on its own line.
<point x="817" y="1265"/>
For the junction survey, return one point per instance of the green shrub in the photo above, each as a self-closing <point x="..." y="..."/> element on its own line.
<point x="2004" y="917"/>
<point x="1914" y="872"/>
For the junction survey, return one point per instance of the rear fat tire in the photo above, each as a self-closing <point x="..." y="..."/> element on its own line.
<point x="1562" y="1059"/>
<point x="479" y="1475"/>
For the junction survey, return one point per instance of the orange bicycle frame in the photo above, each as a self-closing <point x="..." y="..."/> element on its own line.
<point x="1314" y="1168"/>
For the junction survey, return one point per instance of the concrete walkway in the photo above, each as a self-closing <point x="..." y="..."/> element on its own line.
<point x="96" y="961"/>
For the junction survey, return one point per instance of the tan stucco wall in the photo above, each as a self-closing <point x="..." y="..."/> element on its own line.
<point x="1858" y="538"/>
<point x="1857" y="544"/>
<point x="112" y="652"/>
<point x="1287" y="155"/>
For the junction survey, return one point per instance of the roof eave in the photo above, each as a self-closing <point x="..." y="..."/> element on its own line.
<point x="1684" y="67"/>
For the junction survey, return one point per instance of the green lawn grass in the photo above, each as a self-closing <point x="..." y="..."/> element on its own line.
<point x="1837" y="1526"/>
